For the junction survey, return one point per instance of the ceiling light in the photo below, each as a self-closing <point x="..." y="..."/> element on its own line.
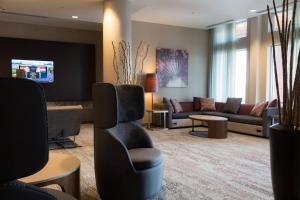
<point x="75" y="17"/>
<point x="253" y="11"/>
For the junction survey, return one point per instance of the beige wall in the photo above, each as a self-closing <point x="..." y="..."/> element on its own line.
<point x="39" y="32"/>
<point x="162" y="36"/>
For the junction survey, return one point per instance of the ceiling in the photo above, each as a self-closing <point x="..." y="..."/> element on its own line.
<point x="187" y="13"/>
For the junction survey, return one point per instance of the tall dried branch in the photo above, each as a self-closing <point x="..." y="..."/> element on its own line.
<point x="289" y="113"/>
<point x="275" y="64"/>
<point x="126" y="71"/>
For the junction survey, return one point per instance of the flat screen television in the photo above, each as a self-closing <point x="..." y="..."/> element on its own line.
<point x="36" y="70"/>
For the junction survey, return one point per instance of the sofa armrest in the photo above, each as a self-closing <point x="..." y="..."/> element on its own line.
<point x="270" y="112"/>
<point x="268" y="116"/>
<point x="170" y="111"/>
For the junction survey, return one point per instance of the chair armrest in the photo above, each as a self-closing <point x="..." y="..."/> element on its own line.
<point x="109" y="148"/>
<point x="140" y="138"/>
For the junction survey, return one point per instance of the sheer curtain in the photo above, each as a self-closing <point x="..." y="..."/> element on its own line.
<point x="222" y="62"/>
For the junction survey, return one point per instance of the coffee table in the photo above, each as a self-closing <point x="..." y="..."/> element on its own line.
<point x="217" y="126"/>
<point x="61" y="169"/>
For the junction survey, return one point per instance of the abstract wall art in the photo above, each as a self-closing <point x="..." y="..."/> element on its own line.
<point x="172" y="67"/>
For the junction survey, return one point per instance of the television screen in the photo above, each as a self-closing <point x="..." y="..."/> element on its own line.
<point x="36" y="70"/>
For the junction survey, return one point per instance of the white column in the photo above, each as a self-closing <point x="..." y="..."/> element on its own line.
<point x="116" y="27"/>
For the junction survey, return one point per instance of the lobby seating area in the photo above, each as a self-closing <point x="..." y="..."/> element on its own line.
<point x="241" y="122"/>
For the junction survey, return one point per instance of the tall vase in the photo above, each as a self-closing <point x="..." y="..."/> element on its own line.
<point x="285" y="163"/>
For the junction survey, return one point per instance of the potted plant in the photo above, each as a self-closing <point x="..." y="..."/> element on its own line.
<point x="285" y="136"/>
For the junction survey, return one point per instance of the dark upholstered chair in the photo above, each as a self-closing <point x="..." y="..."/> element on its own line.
<point x="127" y="166"/>
<point x="23" y="144"/>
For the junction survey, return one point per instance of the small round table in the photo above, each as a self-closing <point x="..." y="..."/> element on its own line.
<point x="217" y="126"/>
<point x="61" y="169"/>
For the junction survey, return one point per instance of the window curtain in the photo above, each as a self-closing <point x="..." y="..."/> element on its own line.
<point x="222" y="70"/>
<point x="297" y="41"/>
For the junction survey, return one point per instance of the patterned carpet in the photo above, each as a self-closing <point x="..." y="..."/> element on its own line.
<point x="236" y="168"/>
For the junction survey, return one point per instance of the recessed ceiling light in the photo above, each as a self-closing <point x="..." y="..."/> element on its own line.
<point x="253" y="11"/>
<point x="75" y="17"/>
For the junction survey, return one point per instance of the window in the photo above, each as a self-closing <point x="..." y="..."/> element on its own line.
<point x="271" y="83"/>
<point x="241" y="29"/>
<point x="229" y="70"/>
<point x="274" y="20"/>
<point x="240" y="71"/>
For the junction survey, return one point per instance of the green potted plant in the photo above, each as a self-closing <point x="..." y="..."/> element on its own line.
<point x="285" y="136"/>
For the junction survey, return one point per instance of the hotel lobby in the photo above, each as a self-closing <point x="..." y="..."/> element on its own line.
<point x="150" y="100"/>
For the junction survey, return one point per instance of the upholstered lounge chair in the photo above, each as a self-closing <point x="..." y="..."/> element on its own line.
<point x="23" y="144"/>
<point x="127" y="166"/>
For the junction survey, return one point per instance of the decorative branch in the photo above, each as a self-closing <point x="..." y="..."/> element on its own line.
<point x="126" y="71"/>
<point x="289" y="113"/>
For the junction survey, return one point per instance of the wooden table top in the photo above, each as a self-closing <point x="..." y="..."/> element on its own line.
<point x="58" y="166"/>
<point x="207" y="118"/>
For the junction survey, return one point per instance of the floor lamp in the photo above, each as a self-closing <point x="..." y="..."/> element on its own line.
<point x="151" y="85"/>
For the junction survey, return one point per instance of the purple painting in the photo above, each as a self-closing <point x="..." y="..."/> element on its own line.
<point x="172" y="67"/>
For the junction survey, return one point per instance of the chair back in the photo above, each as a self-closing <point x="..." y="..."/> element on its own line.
<point x="24" y="140"/>
<point x="117" y="104"/>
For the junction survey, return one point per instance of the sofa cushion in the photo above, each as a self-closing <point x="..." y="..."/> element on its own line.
<point x="245" y="109"/>
<point x="273" y="103"/>
<point x="187" y="106"/>
<point x="145" y="158"/>
<point x="259" y="109"/>
<point x="246" y="119"/>
<point x="197" y="104"/>
<point x="232" y="105"/>
<point x="219" y="106"/>
<point x="185" y="115"/>
<point x="207" y="104"/>
<point x="169" y="104"/>
<point x="176" y="105"/>
<point x="219" y="114"/>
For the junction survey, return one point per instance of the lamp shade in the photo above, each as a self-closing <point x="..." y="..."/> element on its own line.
<point x="151" y="83"/>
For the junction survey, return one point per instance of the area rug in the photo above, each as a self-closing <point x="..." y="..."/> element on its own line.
<point x="196" y="168"/>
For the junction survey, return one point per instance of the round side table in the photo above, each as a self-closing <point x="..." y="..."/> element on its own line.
<point x="61" y="169"/>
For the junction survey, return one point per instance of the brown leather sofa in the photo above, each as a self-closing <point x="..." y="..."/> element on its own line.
<point x="241" y="122"/>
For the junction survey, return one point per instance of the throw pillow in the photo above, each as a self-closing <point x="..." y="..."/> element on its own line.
<point x="258" y="109"/>
<point x="207" y="104"/>
<point x="176" y="105"/>
<point x="232" y="105"/>
<point x="273" y="103"/>
<point x="169" y="104"/>
<point x="197" y="104"/>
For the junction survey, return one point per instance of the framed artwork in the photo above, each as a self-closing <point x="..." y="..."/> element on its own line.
<point x="172" y="67"/>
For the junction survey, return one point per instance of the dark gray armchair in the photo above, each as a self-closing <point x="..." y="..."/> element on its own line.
<point x="127" y="166"/>
<point x="24" y="140"/>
